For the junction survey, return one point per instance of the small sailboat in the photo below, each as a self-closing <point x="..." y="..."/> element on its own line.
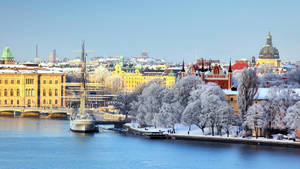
<point x="82" y="121"/>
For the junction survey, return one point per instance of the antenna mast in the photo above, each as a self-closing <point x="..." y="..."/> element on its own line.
<point x="83" y="79"/>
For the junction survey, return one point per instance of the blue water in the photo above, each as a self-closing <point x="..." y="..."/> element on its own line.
<point x="48" y="144"/>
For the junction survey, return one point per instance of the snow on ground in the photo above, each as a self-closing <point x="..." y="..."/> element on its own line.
<point x="182" y="130"/>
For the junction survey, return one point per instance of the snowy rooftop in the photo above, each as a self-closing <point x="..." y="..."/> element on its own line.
<point x="262" y="93"/>
<point x="12" y="71"/>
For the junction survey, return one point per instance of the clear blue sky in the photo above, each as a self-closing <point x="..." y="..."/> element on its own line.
<point x="168" y="29"/>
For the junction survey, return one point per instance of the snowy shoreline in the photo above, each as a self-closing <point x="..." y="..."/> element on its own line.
<point x="181" y="135"/>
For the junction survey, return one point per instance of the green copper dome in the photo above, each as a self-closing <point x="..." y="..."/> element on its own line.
<point x="7" y="55"/>
<point x="268" y="51"/>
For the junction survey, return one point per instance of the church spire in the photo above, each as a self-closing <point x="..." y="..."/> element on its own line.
<point x="183" y="70"/>
<point x="202" y="69"/>
<point x="230" y="70"/>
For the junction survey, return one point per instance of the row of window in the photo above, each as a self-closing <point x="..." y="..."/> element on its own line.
<point x="29" y="102"/>
<point x="28" y="92"/>
<point x="50" y="101"/>
<point x="50" y="82"/>
<point x="50" y="92"/>
<point x="11" y="101"/>
<point x="11" y="81"/>
<point x="27" y="81"/>
<point x="5" y="93"/>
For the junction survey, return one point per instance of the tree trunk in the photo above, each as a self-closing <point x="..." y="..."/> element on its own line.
<point x="227" y="132"/>
<point x="256" y="132"/>
<point x="212" y="130"/>
<point x="202" y="128"/>
<point x="190" y="127"/>
<point x="219" y="131"/>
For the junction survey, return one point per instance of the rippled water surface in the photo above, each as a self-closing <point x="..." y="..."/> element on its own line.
<point x="48" y="144"/>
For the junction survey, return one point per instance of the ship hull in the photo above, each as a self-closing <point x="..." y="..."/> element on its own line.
<point x="83" y="126"/>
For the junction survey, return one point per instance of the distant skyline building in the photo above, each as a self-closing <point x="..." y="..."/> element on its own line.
<point x="52" y="57"/>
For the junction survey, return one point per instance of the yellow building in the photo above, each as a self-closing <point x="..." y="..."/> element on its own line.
<point x="269" y="62"/>
<point x="137" y="78"/>
<point x="231" y="98"/>
<point x="28" y="86"/>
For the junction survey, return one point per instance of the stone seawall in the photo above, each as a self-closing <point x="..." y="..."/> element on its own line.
<point x="253" y="141"/>
<point x="219" y="139"/>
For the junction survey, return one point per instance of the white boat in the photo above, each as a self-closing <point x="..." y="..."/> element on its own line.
<point x="83" y="121"/>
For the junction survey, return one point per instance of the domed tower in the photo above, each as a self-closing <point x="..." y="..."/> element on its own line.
<point x="7" y="57"/>
<point x="268" y="51"/>
<point x="269" y="55"/>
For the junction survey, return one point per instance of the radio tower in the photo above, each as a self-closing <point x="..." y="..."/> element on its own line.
<point x="37" y="60"/>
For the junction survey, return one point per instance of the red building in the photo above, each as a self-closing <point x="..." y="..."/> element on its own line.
<point x="239" y="65"/>
<point x="213" y="74"/>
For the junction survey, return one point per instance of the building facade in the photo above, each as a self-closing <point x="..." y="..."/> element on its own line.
<point x="22" y="86"/>
<point x="213" y="74"/>
<point x="138" y="77"/>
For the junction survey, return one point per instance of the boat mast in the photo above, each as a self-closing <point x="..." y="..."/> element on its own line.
<point x="83" y="80"/>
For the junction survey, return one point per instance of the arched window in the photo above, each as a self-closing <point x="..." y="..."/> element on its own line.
<point x="50" y="92"/>
<point x="44" y="92"/>
<point x="18" y="102"/>
<point x="55" y="101"/>
<point x="12" y="102"/>
<point x="5" y="101"/>
<point x="5" y="92"/>
<point x="18" y="92"/>
<point x="44" y="102"/>
<point x="50" y="101"/>
<point x="56" y="92"/>
<point x="31" y="92"/>
<point x="50" y="81"/>
<point x="11" y="92"/>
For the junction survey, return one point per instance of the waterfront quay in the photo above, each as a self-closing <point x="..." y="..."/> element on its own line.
<point x="161" y="134"/>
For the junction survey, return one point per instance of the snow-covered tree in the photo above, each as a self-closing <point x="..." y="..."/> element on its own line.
<point x="255" y="118"/>
<point x="276" y="105"/>
<point x="226" y="118"/>
<point x="114" y="83"/>
<point x="193" y="114"/>
<point x="292" y="117"/>
<point x="183" y="88"/>
<point x="272" y="79"/>
<point x="101" y="74"/>
<point x="149" y="104"/>
<point x="176" y="99"/>
<point x="247" y="89"/>
<point x="293" y="78"/>
<point x="123" y="102"/>
<point x="169" y="115"/>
